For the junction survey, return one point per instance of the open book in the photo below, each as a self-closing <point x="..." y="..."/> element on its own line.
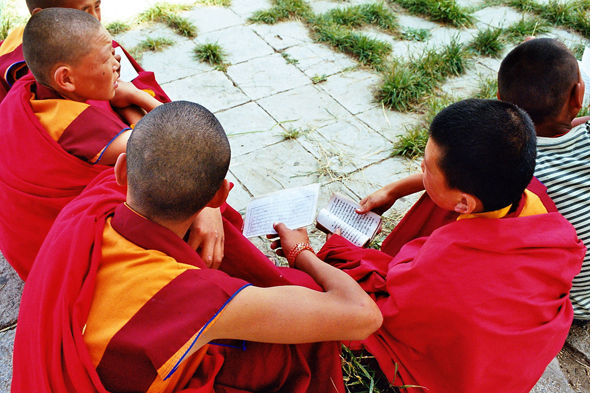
<point x="359" y="229"/>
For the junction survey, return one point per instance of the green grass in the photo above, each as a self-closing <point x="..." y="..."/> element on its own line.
<point x="488" y="42"/>
<point x="289" y="59"/>
<point x="319" y="78"/>
<point x="168" y="14"/>
<point x="117" y="27"/>
<point x="413" y="142"/>
<point x="212" y="53"/>
<point x="219" y="3"/>
<point x="282" y="10"/>
<point x="585" y="111"/>
<point x="410" y="34"/>
<point x="578" y="49"/>
<point x="525" y="5"/>
<point x="293" y="133"/>
<point x="368" y="51"/>
<point x="362" y="374"/>
<point x="375" y="14"/>
<point x="487" y="88"/>
<point x="150" y="44"/>
<point x="517" y="32"/>
<point x="444" y="11"/>
<point x="9" y="19"/>
<point x="406" y="84"/>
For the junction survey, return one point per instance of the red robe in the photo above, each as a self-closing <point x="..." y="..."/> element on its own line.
<point x="12" y="62"/>
<point x="50" y="355"/>
<point x="476" y="305"/>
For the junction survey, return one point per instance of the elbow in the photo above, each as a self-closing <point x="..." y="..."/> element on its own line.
<point x="370" y="320"/>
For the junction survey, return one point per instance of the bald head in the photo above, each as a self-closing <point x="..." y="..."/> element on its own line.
<point x="89" y="6"/>
<point x="177" y="158"/>
<point x="538" y="76"/>
<point x="57" y="36"/>
<point x="34" y="4"/>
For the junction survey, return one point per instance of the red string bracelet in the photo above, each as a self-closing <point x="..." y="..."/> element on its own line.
<point x="296" y="250"/>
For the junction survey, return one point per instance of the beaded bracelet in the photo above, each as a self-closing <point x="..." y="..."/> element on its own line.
<point x="296" y="250"/>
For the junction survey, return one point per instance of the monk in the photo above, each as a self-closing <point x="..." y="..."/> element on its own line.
<point x="479" y="304"/>
<point x="12" y="61"/>
<point x="55" y="143"/>
<point x="133" y="308"/>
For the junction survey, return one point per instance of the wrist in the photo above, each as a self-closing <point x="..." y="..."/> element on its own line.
<point x="296" y="251"/>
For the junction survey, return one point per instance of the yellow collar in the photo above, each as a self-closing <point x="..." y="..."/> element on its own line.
<point x="532" y="207"/>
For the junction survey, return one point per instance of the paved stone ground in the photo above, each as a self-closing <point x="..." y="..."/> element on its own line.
<point x="346" y="136"/>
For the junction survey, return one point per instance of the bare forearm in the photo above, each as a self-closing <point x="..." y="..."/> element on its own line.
<point x="405" y="186"/>
<point x="146" y="102"/>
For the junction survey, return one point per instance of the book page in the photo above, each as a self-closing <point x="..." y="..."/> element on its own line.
<point x="128" y="73"/>
<point x="340" y="213"/>
<point x="295" y="207"/>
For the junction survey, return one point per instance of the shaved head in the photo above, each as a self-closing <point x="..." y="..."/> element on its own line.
<point x="538" y="76"/>
<point x="33" y="4"/>
<point x="90" y="6"/>
<point x="177" y="158"/>
<point x="57" y="36"/>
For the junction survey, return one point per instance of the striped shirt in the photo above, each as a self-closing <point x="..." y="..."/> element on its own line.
<point x="563" y="165"/>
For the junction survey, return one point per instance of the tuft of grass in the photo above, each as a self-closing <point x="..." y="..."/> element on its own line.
<point x="283" y="10"/>
<point x="168" y="14"/>
<point x="219" y="3"/>
<point x="212" y="53"/>
<point x="525" y="5"/>
<point x="585" y="111"/>
<point x="155" y="44"/>
<point x="578" y="49"/>
<point x="444" y="11"/>
<point x="488" y="42"/>
<point x="375" y="14"/>
<point x="413" y="142"/>
<point x="362" y="374"/>
<point x="517" y="32"/>
<point x="117" y="27"/>
<point x="319" y="78"/>
<point x="368" y="51"/>
<point x="487" y="88"/>
<point x="403" y="87"/>
<point x="411" y="34"/>
<point x="293" y="133"/>
<point x="8" y="19"/>
<point x="289" y="59"/>
<point x="559" y="12"/>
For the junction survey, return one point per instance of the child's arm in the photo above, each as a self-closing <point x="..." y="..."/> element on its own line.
<point x="114" y="149"/>
<point x="381" y="200"/>
<point x="580" y="120"/>
<point x="208" y="237"/>
<point x="127" y="95"/>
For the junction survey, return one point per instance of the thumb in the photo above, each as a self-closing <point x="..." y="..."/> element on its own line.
<point x="279" y="227"/>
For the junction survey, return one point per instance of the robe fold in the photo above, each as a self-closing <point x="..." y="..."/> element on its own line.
<point x="471" y="305"/>
<point x="13" y="66"/>
<point x="50" y="354"/>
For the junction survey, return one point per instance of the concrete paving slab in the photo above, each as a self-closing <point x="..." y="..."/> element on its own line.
<point x="249" y="128"/>
<point x="406" y="49"/>
<point x="318" y="59"/>
<point x="388" y="123"/>
<point x="174" y="63"/>
<point x="124" y="10"/>
<point x="266" y="76"/>
<point x="490" y="63"/>
<point x="132" y="38"/>
<point x="496" y="17"/>
<point x="375" y="176"/>
<point x="553" y="380"/>
<point x="444" y="36"/>
<point x="284" y="165"/>
<point x="321" y="7"/>
<point x="6" y="349"/>
<point x="415" y="22"/>
<point x="316" y="110"/>
<point x="579" y="339"/>
<point x="466" y="85"/>
<point x="354" y="90"/>
<point x="567" y="37"/>
<point x="283" y="35"/>
<point x="469" y="3"/>
<point x="240" y="43"/>
<point x="345" y="146"/>
<point x="210" y="89"/>
<point x="238" y="197"/>
<point x="11" y="288"/>
<point x="245" y="8"/>
<point x="209" y="19"/>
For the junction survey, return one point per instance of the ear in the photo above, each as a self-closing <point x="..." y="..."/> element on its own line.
<point x="63" y="79"/>
<point x="36" y="10"/>
<point x="467" y="204"/>
<point x="498" y="96"/>
<point x="220" y="195"/>
<point x="577" y="96"/>
<point x="121" y="170"/>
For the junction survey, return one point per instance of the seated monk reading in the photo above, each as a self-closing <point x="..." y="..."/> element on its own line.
<point x="54" y="142"/>
<point x="131" y="307"/>
<point x="12" y="61"/>
<point x="479" y="304"/>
